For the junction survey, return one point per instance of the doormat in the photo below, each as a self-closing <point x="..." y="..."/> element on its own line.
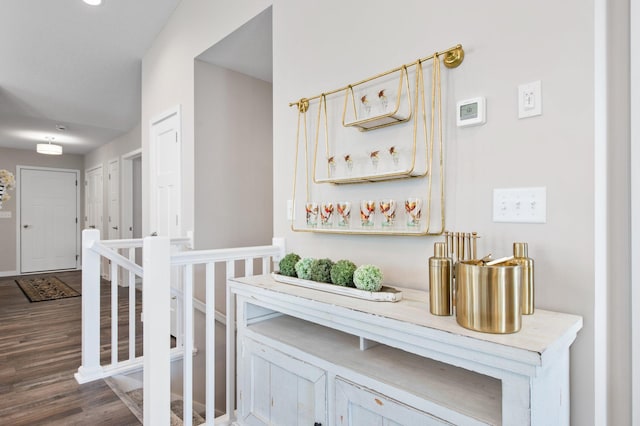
<point x="47" y="288"/>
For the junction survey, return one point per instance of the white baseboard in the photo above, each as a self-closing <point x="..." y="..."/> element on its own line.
<point x="8" y="273"/>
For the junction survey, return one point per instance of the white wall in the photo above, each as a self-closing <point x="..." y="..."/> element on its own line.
<point x="233" y="134"/>
<point x="320" y="46"/>
<point x="233" y="137"/>
<point x="554" y="150"/>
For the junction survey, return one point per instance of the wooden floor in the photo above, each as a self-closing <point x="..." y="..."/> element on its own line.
<point x="40" y="350"/>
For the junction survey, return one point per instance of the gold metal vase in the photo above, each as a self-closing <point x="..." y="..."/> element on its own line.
<point x="488" y="298"/>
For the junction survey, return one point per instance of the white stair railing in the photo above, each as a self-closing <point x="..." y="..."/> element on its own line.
<point x="158" y="260"/>
<point x="92" y="251"/>
<point x="209" y="258"/>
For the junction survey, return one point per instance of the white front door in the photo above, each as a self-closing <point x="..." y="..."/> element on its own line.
<point x="114" y="199"/>
<point x="48" y="219"/>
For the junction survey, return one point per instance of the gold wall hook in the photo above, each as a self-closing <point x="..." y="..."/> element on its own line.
<point x="454" y="57"/>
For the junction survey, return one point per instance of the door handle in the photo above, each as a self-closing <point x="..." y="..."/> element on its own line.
<point x="154" y="234"/>
<point x="92" y="226"/>
<point x="26" y="226"/>
<point x="114" y="227"/>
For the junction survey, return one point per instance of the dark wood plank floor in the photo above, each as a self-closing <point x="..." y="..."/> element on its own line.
<point x="40" y="350"/>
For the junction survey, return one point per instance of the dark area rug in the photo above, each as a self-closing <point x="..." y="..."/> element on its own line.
<point x="45" y="288"/>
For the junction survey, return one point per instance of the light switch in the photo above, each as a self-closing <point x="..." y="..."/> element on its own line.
<point x="520" y="205"/>
<point x="530" y="99"/>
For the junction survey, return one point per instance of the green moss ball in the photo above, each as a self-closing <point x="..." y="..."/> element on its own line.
<point x="288" y="265"/>
<point x="303" y="268"/>
<point x="368" y="277"/>
<point x="342" y="273"/>
<point x="321" y="270"/>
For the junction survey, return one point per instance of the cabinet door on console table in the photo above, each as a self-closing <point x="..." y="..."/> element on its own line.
<point x="280" y="390"/>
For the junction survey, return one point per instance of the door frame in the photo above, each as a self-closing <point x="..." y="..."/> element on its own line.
<point x="126" y="202"/>
<point x="19" y="169"/>
<point x="126" y="191"/>
<point x="634" y="41"/>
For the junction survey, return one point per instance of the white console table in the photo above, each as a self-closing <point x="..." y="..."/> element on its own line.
<point x="306" y="357"/>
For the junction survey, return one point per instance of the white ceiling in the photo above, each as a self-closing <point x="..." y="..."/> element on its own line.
<point x="64" y="62"/>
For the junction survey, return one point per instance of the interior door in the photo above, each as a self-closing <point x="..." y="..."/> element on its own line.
<point x="165" y="155"/>
<point x="93" y="199"/>
<point x="114" y="199"/>
<point x="48" y="220"/>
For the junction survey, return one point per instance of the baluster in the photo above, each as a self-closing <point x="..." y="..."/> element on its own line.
<point x="231" y="344"/>
<point x="188" y="347"/>
<point x="210" y="330"/>
<point x="248" y="267"/>
<point x="114" y="313"/>
<point x="132" y="307"/>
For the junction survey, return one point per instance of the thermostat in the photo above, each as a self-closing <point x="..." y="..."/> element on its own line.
<point x="471" y="112"/>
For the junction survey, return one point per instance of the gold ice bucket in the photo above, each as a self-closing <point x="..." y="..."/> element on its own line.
<point x="488" y="297"/>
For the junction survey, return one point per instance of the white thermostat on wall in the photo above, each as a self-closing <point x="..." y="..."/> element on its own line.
<point x="471" y="112"/>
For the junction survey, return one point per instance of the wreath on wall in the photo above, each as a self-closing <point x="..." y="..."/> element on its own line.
<point x="7" y="182"/>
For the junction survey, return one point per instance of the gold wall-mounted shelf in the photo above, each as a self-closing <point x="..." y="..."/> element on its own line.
<point x="420" y="160"/>
<point x="389" y="114"/>
<point x="451" y="58"/>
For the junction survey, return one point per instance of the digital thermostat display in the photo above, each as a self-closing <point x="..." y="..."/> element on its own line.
<point x="471" y="112"/>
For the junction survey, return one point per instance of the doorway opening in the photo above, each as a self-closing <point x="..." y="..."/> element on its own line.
<point x="131" y="190"/>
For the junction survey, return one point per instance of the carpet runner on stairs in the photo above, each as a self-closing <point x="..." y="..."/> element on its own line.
<point x="132" y="396"/>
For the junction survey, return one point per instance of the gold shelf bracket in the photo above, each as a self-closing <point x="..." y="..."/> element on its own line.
<point x="302" y="104"/>
<point x="454" y="57"/>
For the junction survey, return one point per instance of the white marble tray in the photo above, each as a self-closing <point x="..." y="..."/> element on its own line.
<point x="386" y="294"/>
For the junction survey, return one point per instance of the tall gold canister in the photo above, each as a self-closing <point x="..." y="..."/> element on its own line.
<point x="488" y="297"/>
<point x="521" y="257"/>
<point x="440" y="281"/>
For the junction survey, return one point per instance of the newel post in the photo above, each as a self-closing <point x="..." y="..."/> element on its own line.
<point x="90" y="368"/>
<point x="156" y="297"/>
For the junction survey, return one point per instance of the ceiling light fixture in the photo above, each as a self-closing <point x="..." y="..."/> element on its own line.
<point x="93" y="2"/>
<point x="49" y="148"/>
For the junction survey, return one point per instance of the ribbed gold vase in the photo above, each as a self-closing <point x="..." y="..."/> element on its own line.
<point x="488" y="297"/>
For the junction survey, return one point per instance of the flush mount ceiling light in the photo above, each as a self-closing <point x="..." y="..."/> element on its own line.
<point x="49" y="148"/>
<point x="93" y="2"/>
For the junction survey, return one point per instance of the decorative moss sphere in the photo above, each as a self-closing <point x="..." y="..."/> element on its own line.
<point x="303" y="268"/>
<point x="368" y="277"/>
<point x="342" y="273"/>
<point x="321" y="270"/>
<point x="288" y="264"/>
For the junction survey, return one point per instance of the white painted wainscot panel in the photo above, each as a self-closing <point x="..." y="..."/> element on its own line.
<point x="336" y="360"/>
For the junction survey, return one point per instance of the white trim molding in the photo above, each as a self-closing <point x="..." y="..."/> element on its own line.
<point x="601" y="197"/>
<point x="634" y="39"/>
